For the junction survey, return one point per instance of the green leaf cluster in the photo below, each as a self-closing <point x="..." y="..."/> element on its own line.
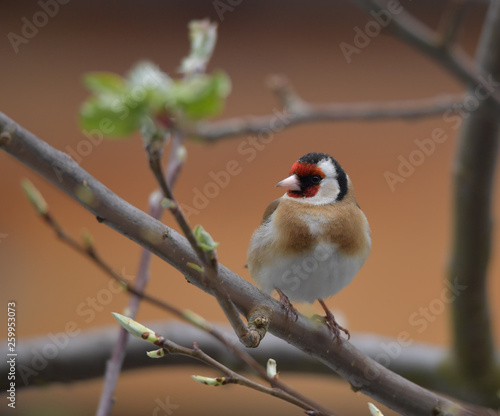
<point x="120" y="106"/>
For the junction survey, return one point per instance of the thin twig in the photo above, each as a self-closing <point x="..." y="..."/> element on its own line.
<point x="235" y="378"/>
<point x="91" y="253"/>
<point x="114" y="364"/>
<point x="253" y="364"/>
<point x="176" y="158"/>
<point x="210" y="275"/>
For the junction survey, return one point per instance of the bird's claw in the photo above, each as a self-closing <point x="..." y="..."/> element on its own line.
<point x="335" y="327"/>
<point x="332" y="324"/>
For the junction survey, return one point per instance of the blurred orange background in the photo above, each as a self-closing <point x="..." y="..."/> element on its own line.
<point x="42" y="90"/>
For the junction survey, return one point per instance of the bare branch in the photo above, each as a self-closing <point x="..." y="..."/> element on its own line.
<point x="474" y="172"/>
<point x="412" y="31"/>
<point x="359" y="370"/>
<point x="296" y="112"/>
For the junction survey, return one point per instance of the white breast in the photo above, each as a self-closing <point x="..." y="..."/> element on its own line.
<point x="316" y="275"/>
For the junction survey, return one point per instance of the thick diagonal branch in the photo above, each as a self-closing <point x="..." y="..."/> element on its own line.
<point x="360" y="371"/>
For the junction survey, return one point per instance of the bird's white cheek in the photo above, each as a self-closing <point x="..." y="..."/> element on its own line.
<point x="328" y="192"/>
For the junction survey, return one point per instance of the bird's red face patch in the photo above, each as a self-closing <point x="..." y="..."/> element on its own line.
<point x="309" y="192"/>
<point x="304" y="170"/>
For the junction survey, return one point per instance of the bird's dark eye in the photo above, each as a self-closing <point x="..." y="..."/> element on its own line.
<point x="315" y="179"/>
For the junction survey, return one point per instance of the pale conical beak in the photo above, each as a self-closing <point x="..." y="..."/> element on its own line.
<point x="291" y="183"/>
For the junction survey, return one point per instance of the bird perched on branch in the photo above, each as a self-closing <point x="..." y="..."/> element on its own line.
<point x="314" y="239"/>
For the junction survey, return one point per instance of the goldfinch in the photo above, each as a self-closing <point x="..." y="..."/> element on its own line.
<point x="314" y="239"/>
